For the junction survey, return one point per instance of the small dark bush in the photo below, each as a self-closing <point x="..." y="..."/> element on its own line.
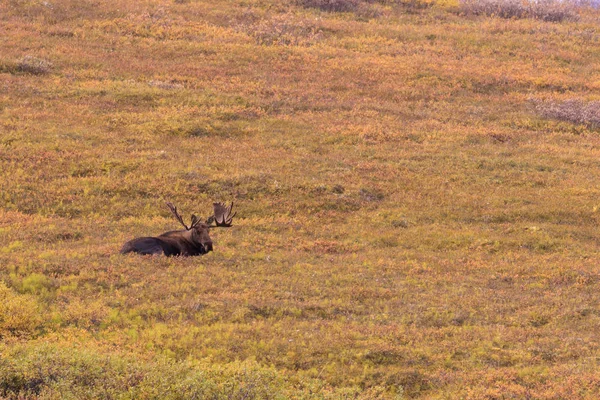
<point x="34" y="65"/>
<point x="331" y="5"/>
<point x="371" y="194"/>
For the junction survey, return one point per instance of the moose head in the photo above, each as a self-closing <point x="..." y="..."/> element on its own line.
<point x="194" y="240"/>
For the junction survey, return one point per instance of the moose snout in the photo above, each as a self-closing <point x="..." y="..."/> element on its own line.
<point x="208" y="247"/>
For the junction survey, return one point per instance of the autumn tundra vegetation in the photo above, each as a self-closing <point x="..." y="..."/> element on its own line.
<point x="417" y="186"/>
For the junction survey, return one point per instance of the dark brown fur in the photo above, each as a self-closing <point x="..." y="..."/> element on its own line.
<point x="193" y="242"/>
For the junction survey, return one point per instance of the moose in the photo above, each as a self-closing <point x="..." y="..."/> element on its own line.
<point x="192" y="241"/>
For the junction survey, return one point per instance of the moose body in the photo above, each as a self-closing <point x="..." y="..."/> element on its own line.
<point x="173" y="243"/>
<point x="193" y="241"/>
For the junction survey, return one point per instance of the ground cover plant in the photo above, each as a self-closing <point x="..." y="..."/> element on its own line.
<point x="547" y="10"/>
<point x="416" y="186"/>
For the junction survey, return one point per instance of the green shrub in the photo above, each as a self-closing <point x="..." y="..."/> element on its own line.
<point x="52" y="371"/>
<point x="19" y="314"/>
<point x="35" y="284"/>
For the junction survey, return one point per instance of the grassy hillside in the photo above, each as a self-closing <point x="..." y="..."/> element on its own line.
<point x="416" y="185"/>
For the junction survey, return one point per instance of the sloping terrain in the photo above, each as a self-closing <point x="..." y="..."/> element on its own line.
<point x="416" y="186"/>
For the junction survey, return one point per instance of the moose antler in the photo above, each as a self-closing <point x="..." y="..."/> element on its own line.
<point x="222" y="215"/>
<point x="178" y="217"/>
<point x="195" y="221"/>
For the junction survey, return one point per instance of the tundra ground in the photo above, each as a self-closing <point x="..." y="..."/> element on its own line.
<point x="415" y="217"/>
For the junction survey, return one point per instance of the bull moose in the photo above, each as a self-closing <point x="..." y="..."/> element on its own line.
<point x="192" y="241"/>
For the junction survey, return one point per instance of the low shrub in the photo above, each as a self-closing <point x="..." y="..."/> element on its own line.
<point x="575" y="111"/>
<point x="35" y="66"/>
<point x="53" y="371"/>
<point x="547" y="10"/>
<point x="362" y="6"/>
<point x="19" y="314"/>
<point x="332" y="5"/>
<point x="66" y="370"/>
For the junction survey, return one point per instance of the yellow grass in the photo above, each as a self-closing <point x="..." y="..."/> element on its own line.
<point x="408" y="224"/>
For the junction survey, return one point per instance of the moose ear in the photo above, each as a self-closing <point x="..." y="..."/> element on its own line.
<point x="195" y="221"/>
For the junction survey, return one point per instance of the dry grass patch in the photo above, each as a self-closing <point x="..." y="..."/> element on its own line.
<point x="281" y="30"/>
